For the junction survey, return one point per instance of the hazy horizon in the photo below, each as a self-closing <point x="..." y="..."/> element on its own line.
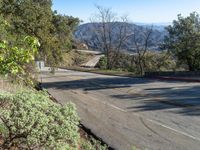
<point x="143" y="11"/>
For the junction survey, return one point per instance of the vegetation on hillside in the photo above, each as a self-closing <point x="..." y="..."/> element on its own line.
<point x="36" y="18"/>
<point x="74" y="58"/>
<point x="153" y="61"/>
<point x="30" y="120"/>
<point x="184" y="40"/>
<point x="16" y="62"/>
<point x="180" y="47"/>
<point x="16" y="58"/>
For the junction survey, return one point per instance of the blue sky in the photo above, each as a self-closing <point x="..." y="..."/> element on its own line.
<point x="144" y="11"/>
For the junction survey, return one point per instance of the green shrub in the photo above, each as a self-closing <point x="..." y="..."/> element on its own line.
<point x="92" y="145"/>
<point x="30" y="120"/>
<point x="162" y="61"/>
<point x="102" y="63"/>
<point x="16" y="61"/>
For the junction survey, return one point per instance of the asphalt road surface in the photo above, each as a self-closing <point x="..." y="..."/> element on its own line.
<point x="150" y="114"/>
<point x="93" y="62"/>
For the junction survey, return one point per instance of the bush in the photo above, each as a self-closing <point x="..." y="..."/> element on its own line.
<point x="159" y="62"/>
<point x="15" y="62"/>
<point x="75" y="58"/>
<point x="102" y="63"/>
<point x="30" y="120"/>
<point x="93" y="145"/>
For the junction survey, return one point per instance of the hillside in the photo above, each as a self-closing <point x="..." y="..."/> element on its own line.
<point x="86" y="33"/>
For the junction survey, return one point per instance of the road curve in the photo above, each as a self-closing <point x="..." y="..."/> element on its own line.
<point x="150" y="114"/>
<point x="93" y="62"/>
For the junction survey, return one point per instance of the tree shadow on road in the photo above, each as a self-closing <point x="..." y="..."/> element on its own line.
<point x="97" y="83"/>
<point x="186" y="99"/>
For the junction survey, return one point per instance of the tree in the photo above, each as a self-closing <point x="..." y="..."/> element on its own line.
<point x="141" y="48"/>
<point x="184" y="40"/>
<point x="159" y="61"/>
<point x="108" y="40"/>
<point x="14" y="61"/>
<point x="36" y="18"/>
<point x="63" y="29"/>
<point x="16" y="58"/>
<point x="3" y="28"/>
<point x="30" y="17"/>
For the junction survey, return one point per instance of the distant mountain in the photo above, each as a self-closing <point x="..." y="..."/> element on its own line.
<point x="157" y="26"/>
<point x="85" y="33"/>
<point x="154" y="24"/>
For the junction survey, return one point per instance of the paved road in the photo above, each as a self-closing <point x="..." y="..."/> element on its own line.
<point x="90" y="51"/>
<point x="126" y="111"/>
<point x="93" y="62"/>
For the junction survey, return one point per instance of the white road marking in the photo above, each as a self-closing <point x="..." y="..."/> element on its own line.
<point x="115" y="107"/>
<point x="152" y="121"/>
<point x="180" y="132"/>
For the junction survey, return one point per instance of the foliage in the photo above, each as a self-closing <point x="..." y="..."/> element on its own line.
<point x="134" y="148"/>
<point x="3" y="27"/>
<point x="102" y="63"/>
<point x="184" y="40"/>
<point x="141" y="49"/>
<point x="154" y="61"/>
<point x="64" y="27"/>
<point x="121" y="61"/>
<point x="30" y="120"/>
<point x="75" y="58"/>
<point x="14" y="60"/>
<point x="162" y="61"/>
<point x="105" y="24"/>
<point x="93" y="145"/>
<point x="36" y="18"/>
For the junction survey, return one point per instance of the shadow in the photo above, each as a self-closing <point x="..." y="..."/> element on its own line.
<point x="150" y="89"/>
<point x="97" y="83"/>
<point x="185" y="98"/>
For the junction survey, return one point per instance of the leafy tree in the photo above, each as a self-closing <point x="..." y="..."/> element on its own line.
<point x="63" y="29"/>
<point x="162" y="61"/>
<point x="14" y="60"/>
<point x="184" y="40"/>
<point x="5" y="33"/>
<point x="2" y="28"/>
<point x="30" y="17"/>
<point x="30" y="120"/>
<point x="36" y="18"/>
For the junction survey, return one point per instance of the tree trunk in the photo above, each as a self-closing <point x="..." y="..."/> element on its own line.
<point x="141" y="69"/>
<point x="191" y="67"/>
<point x="108" y="66"/>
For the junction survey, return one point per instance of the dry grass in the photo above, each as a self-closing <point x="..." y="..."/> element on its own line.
<point x="7" y="86"/>
<point x="75" y="58"/>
